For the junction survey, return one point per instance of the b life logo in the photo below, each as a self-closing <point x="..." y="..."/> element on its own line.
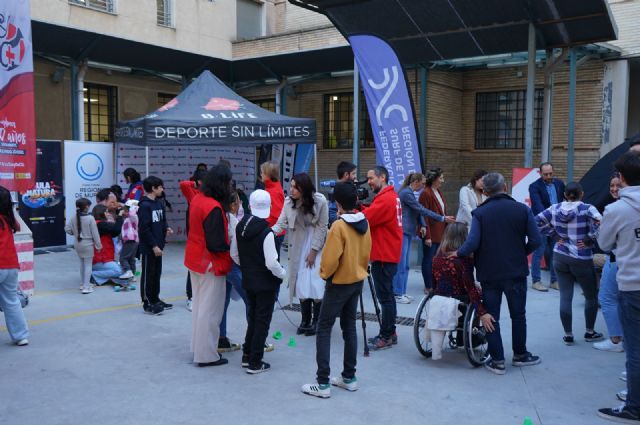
<point x="89" y="166"/>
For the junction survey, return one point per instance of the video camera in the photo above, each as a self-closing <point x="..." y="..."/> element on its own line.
<point x="362" y="192"/>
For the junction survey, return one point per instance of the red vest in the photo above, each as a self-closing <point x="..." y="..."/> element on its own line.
<point x="8" y="255"/>
<point x="108" y="252"/>
<point x="197" y="257"/>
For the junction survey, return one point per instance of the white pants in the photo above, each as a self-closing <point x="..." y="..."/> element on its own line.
<point x="86" y="266"/>
<point x="208" y="307"/>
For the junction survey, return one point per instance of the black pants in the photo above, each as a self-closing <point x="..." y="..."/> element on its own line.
<point x="259" y="312"/>
<point x="150" y="279"/>
<point x="342" y="301"/>
<point x="383" y="274"/>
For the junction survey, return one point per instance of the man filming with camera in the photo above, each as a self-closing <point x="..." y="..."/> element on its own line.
<point x="385" y="221"/>
<point x="347" y="172"/>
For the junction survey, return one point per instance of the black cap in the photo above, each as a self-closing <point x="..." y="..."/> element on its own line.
<point x="346" y="194"/>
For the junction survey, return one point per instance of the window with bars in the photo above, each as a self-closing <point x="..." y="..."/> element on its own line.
<point x="338" y="122"/>
<point x="102" y="5"/>
<point x="268" y="104"/>
<point x="164" y="98"/>
<point x="500" y="119"/>
<point x="165" y="13"/>
<point x="99" y="112"/>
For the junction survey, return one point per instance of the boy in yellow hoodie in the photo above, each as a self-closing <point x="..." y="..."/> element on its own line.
<point x="344" y="262"/>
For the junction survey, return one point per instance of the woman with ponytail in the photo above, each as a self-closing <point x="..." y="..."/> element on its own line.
<point x="82" y="226"/>
<point x="9" y="266"/>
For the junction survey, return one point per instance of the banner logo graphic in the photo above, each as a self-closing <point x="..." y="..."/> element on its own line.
<point x="12" y="48"/>
<point x="89" y="166"/>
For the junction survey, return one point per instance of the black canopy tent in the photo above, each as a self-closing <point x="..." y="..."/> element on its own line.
<point x="208" y="112"/>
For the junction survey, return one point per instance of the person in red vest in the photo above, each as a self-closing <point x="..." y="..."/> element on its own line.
<point x="385" y="220"/>
<point x="105" y="268"/>
<point x="9" y="267"/>
<point x="208" y="259"/>
<point x="136" y="190"/>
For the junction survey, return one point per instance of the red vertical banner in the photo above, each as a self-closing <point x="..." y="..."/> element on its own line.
<point x="17" y="117"/>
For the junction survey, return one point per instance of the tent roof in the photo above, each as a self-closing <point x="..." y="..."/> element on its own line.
<point x="423" y="31"/>
<point x="208" y="111"/>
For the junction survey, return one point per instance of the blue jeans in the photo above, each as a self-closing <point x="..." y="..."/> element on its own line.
<point x="428" y="252"/>
<point x="10" y="304"/>
<point x="608" y="297"/>
<point x="402" y="276"/>
<point x="545" y="249"/>
<point x="629" y="309"/>
<point x="234" y="280"/>
<point x="105" y="272"/>
<point x="516" y="292"/>
<point x="383" y="274"/>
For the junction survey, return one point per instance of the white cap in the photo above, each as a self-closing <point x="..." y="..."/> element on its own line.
<point x="260" y="203"/>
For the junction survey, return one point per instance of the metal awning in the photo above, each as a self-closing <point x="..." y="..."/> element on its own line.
<point x="422" y="31"/>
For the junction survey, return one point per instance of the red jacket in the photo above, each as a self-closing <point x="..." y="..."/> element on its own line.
<point x="188" y="189"/>
<point x="197" y="257"/>
<point x="8" y="255"/>
<point x="435" y="229"/>
<point x="274" y="189"/>
<point x="385" y="219"/>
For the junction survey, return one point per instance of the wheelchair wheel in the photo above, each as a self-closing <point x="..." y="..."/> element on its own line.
<point x="475" y="341"/>
<point x="419" y="323"/>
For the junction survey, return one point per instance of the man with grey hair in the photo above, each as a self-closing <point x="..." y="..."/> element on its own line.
<point x="503" y="232"/>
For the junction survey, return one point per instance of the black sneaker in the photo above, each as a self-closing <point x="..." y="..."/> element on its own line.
<point x="166" y="306"/>
<point x="593" y="336"/>
<point x="221" y="361"/>
<point x="154" y="309"/>
<point x="526" y="359"/>
<point x="620" y="414"/>
<point x="225" y="345"/>
<point x="568" y="340"/>
<point x="495" y="367"/>
<point x="245" y="361"/>
<point x="262" y="367"/>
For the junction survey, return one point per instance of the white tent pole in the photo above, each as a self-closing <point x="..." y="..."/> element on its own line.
<point x="315" y="164"/>
<point x="146" y="161"/>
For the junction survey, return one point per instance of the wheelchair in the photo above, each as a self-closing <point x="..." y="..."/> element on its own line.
<point x="470" y="333"/>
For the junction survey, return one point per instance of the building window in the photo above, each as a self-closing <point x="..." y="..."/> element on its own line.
<point x="249" y="16"/>
<point x="165" y="13"/>
<point x="338" y="122"/>
<point x="268" y="104"/>
<point x="164" y="98"/>
<point x="102" y="5"/>
<point x="500" y="119"/>
<point x="99" y="112"/>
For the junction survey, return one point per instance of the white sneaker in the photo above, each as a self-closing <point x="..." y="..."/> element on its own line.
<point x="317" y="390"/>
<point x="608" y="345"/>
<point x="347" y="384"/>
<point x="189" y="305"/>
<point x="22" y="342"/>
<point x="623" y="376"/>
<point x="87" y="290"/>
<point x="622" y="395"/>
<point x="126" y="275"/>
<point x="410" y="297"/>
<point x="402" y="299"/>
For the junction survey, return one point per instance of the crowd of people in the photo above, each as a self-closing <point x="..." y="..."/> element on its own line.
<point x="476" y="256"/>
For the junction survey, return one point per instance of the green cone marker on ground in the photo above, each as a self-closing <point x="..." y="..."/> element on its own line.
<point x="292" y="342"/>
<point x="527" y="421"/>
<point x="277" y="335"/>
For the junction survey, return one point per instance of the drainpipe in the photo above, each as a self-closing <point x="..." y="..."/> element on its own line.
<point x="79" y="83"/>
<point x="281" y="106"/>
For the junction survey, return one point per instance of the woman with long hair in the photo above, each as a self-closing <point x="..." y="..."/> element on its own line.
<point x="432" y="198"/>
<point x="306" y="216"/>
<point x="575" y="225"/>
<point x="208" y="259"/>
<point x="470" y="197"/>
<point x="9" y="267"/>
<point x="82" y="226"/>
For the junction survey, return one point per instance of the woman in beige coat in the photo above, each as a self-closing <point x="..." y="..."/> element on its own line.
<point x="305" y="216"/>
<point x="82" y="226"/>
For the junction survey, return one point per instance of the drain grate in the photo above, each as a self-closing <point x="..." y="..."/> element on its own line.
<point x="369" y="317"/>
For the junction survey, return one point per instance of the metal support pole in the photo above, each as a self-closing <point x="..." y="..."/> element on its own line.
<point x="146" y="161"/>
<point x="422" y="140"/>
<point x="356" y="115"/>
<point x="315" y="163"/>
<point x="74" y="102"/>
<point x="531" y="80"/>
<point x="572" y="113"/>
<point x="546" y="108"/>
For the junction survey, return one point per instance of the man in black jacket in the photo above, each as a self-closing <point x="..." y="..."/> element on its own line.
<point x="543" y="193"/>
<point x="152" y="230"/>
<point x="503" y="232"/>
<point x="254" y="249"/>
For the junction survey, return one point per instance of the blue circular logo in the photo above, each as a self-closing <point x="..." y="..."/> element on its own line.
<point x="90" y="166"/>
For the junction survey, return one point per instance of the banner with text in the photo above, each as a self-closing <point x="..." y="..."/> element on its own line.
<point x="389" y="105"/>
<point x="88" y="167"/>
<point x="174" y="164"/>
<point x="42" y="206"/>
<point x="17" y="118"/>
